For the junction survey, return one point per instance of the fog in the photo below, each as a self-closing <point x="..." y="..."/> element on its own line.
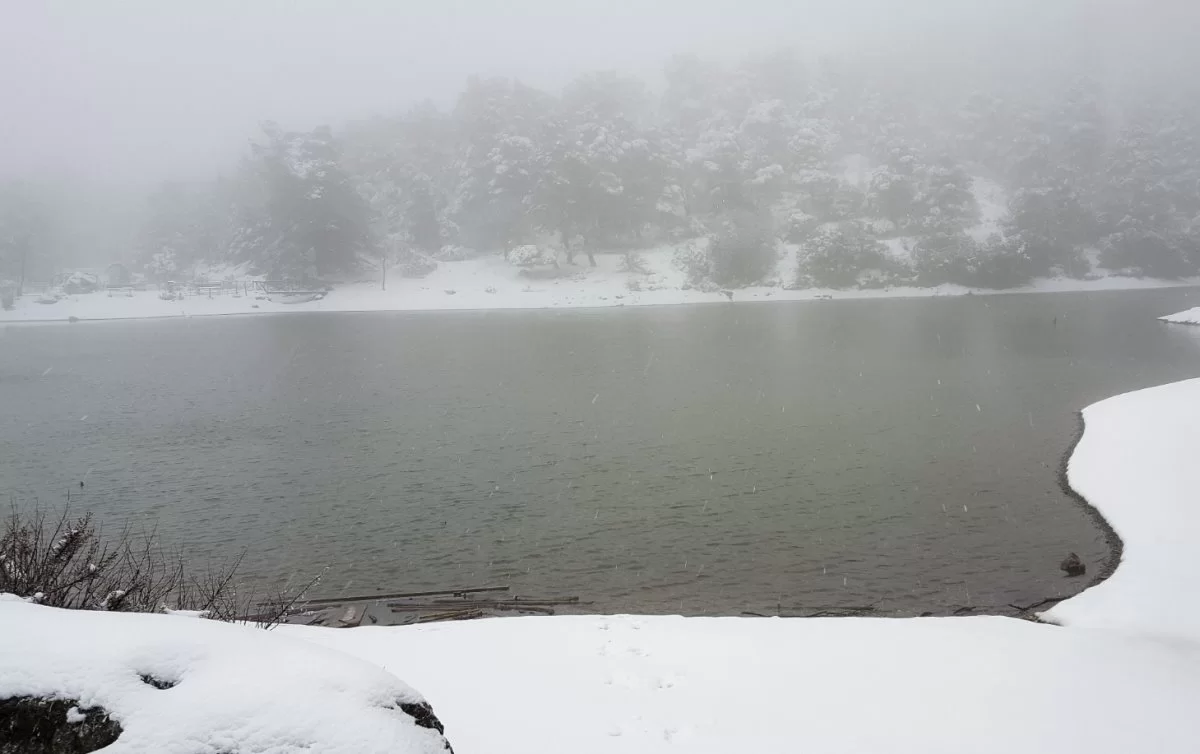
<point x="104" y="101"/>
<point x="133" y="90"/>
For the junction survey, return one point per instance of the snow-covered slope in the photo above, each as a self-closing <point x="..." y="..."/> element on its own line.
<point x="237" y="689"/>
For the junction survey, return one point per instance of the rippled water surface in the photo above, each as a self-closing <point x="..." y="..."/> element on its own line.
<point x="794" y="457"/>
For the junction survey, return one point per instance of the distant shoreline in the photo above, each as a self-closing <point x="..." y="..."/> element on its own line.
<point x="429" y="296"/>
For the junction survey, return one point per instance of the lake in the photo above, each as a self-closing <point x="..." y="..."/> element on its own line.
<point x="790" y="457"/>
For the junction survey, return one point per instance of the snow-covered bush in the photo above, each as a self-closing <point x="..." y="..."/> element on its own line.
<point x="530" y="255"/>
<point x="80" y="282"/>
<point x="742" y="252"/>
<point x="454" y="253"/>
<point x="836" y="256"/>
<point x="692" y="259"/>
<point x="416" y="265"/>
<point x="633" y="262"/>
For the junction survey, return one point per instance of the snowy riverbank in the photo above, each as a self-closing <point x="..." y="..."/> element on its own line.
<point x="1189" y="317"/>
<point x="1121" y="674"/>
<point x="491" y="283"/>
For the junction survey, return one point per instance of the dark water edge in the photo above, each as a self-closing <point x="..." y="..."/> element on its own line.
<point x="698" y="391"/>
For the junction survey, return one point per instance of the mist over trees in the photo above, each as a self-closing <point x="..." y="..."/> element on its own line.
<point x="826" y="173"/>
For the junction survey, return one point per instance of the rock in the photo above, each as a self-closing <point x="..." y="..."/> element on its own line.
<point x="29" y="725"/>
<point x="1073" y="566"/>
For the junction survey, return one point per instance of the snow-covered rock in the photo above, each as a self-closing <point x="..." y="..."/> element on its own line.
<point x="189" y="686"/>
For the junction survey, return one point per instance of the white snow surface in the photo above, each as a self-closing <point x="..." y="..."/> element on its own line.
<point x="636" y="684"/>
<point x="1189" y="317"/>
<point x="1137" y="464"/>
<point x="489" y="282"/>
<point x="239" y="689"/>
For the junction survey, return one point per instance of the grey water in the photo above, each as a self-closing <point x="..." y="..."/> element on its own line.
<point x="716" y="459"/>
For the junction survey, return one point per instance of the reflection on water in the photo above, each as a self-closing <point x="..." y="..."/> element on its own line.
<point x="898" y="454"/>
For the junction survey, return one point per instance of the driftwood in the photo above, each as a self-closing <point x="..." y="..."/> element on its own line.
<point x="464" y="604"/>
<point x="1036" y="605"/>
<point x="400" y="595"/>
<point x="422" y="607"/>
<point x="451" y="615"/>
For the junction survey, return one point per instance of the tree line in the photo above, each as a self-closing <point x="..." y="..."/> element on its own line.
<point x="865" y="183"/>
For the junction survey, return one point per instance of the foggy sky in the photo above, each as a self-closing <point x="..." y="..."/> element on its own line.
<point x="126" y="91"/>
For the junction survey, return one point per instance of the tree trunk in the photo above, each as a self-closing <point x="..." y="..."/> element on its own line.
<point x="591" y="258"/>
<point x="566" y="242"/>
<point x="21" y="278"/>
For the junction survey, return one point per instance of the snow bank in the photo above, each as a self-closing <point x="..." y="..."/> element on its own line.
<point x="238" y="689"/>
<point x="490" y="282"/>
<point x="639" y="685"/>
<point x="1138" y="463"/>
<point x="1190" y="317"/>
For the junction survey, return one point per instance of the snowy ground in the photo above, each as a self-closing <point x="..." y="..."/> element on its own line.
<point x="1122" y="674"/>
<point x="1190" y="317"/>
<point x="491" y="283"/>
<point x="237" y="689"/>
<point x="630" y="684"/>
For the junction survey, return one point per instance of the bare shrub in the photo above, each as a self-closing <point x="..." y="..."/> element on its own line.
<point x="65" y="562"/>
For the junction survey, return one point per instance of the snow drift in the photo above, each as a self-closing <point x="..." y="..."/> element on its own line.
<point x="184" y="685"/>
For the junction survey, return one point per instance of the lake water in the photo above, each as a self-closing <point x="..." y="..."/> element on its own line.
<point x="713" y="459"/>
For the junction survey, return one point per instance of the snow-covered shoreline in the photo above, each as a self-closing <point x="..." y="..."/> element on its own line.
<point x="1189" y="317"/>
<point x="1119" y="673"/>
<point x="1135" y="463"/>
<point x="489" y="282"/>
